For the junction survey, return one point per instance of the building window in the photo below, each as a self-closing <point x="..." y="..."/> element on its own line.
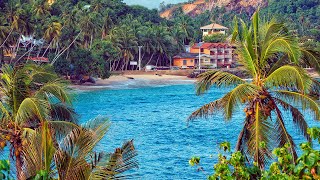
<point x="191" y="60"/>
<point x="184" y="62"/>
<point x="201" y="49"/>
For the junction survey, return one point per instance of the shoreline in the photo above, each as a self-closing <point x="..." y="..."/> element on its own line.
<point x="133" y="80"/>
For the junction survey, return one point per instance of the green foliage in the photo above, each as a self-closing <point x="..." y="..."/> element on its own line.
<point x="194" y="161"/>
<point x="234" y="166"/>
<point x="5" y="170"/>
<point x="215" y="38"/>
<point x="314" y="133"/>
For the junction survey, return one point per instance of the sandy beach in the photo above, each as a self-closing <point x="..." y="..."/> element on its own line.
<point x="133" y="78"/>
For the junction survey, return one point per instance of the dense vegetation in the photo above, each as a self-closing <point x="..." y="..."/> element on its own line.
<point x="108" y="32"/>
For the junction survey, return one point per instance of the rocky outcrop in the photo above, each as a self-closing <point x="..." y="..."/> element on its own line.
<point x="199" y="6"/>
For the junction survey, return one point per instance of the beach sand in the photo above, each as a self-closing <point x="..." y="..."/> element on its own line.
<point x="123" y="79"/>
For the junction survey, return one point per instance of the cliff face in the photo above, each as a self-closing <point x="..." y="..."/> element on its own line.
<point x="199" y="6"/>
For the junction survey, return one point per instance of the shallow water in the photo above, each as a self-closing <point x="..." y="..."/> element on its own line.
<point x="155" y="117"/>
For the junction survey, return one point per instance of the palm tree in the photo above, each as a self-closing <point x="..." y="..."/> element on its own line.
<point x="162" y="41"/>
<point x="271" y="56"/>
<point x="75" y="158"/>
<point x="183" y="22"/>
<point x="53" y="33"/>
<point x="30" y="96"/>
<point x="5" y="32"/>
<point x="125" y="39"/>
<point x="41" y="8"/>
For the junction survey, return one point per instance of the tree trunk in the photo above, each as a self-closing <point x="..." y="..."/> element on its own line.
<point x="150" y="59"/>
<point x="157" y="60"/>
<point x="1" y="56"/>
<point x="20" y="174"/>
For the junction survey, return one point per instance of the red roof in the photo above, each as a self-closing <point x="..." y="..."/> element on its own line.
<point x="210" y="45"/>
<point x="38" y="59"/>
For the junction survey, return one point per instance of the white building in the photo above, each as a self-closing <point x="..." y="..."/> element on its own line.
<point x="213" y="29"/>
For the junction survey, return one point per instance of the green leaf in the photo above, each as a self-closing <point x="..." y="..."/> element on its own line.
<point x="311" y="159"/>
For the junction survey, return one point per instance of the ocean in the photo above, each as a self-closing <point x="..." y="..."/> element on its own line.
<point x="154" y="116"/>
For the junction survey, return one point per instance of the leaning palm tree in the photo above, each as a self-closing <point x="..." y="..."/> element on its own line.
<point x="272" y="57"/>
<point x="30" y="96"/>
<point x="75" y="157"/>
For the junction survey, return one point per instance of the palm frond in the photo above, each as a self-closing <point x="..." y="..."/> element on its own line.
<point x="208" y="109"/>
<point x="31" y="108"/>
<point x="228" y="103"/>
<point x="311" y="58"/>
<point x="216" y="78"/>
<point x="303" y="100"/>
<point x="289" y="77"/>
<point x="63" y="112"/>
<point x="297" y="117"/>
<point x="283" y="135"/>
<point x="281" y="44"/>
<point x="55" y="89"/>
<point x="122" y="160"/>
<point x="76" y="146"/>
<point x="38" y="153"/>
<point x="235" y="32"/>
<point x="247" y="60"/>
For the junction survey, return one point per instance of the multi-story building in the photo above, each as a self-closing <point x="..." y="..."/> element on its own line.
<point x="212" y="55"/>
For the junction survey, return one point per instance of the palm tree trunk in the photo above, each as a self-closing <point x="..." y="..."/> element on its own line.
<point x="117" y="66"/>
<point x="1" y="55"/>
<point x="150" y="59"/>
<point x="91" y="39"/>
<point x="62" y="51"/>
<point x="20" y="174"/>
<point x="6" y="38"/>
<point x="47" y="49"/>
<point x="157" y="60"/>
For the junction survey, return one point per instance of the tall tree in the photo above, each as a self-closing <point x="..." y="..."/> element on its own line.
<point x="30" y="96"/>
<point x="272" y="57"/>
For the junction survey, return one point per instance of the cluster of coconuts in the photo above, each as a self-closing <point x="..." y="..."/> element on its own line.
<point x="14" y="137"/>
<point x="268" y="106"/>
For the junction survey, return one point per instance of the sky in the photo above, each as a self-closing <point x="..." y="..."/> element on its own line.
<point x="152" y="3"/>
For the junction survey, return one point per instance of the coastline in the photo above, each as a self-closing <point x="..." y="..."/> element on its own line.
<point x="136" y="79"/>
<point x="133" y="80"/>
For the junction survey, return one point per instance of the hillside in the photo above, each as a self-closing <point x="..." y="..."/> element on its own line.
<point x="199" y="6"/>
<point x="301" y="16"/>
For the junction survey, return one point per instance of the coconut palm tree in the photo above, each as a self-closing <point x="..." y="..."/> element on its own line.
<point x="30" y="96"/>
<point x="53" y="33"/>
<point x="75" y="156"/>
<point x="272" y="57"/>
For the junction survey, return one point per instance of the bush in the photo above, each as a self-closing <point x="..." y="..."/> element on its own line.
<point x="307" y="165"/>
<point x="214" y="38"/>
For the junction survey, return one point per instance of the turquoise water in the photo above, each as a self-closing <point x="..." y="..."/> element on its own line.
<point x="155" y="117"/>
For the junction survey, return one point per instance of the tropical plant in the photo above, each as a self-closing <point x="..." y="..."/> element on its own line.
<point x="75" y="157"/>
<point x="272" y="57"/>
<point x="233" y="166"/>
<point x="5" y="170"/>
<point x="30" y="96"/>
